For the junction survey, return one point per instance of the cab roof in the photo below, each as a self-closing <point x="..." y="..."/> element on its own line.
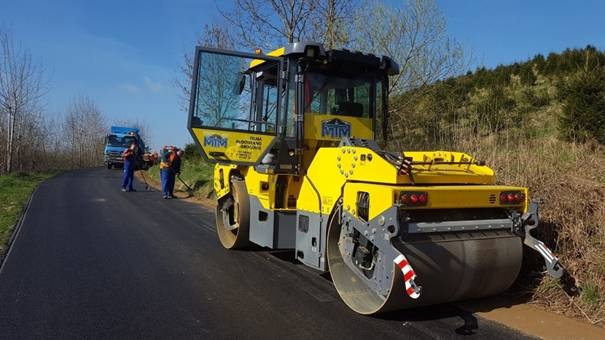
<point x="342" y="55"/>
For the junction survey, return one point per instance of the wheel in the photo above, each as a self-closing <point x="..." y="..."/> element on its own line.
<point x="233" y="217"/>
<point x="108" y="166"/>
<point x="348" y="283"/>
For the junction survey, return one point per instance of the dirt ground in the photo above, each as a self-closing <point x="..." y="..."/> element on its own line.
<point x="531" y="319"/>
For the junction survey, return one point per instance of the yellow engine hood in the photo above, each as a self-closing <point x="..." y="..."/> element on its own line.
<point x="448" y="167"/>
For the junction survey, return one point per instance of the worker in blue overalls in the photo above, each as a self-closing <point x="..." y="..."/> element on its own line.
<point x="129" y="164"/>
<point x="175" y="170"/>
<point x="167" y="156"/>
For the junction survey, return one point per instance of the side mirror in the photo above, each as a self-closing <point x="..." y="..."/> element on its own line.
<point x="242" y="84"/>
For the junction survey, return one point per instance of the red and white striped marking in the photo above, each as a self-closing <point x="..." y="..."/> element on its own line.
<point x="546" y="253"/>
<point x="409" y="276"/>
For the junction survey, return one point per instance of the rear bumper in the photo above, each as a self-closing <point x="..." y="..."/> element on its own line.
<point x="453" y="226"/>
<point x="443" y="198"/>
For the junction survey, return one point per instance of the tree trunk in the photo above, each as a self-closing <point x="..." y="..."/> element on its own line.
<point x="9" y="148"/>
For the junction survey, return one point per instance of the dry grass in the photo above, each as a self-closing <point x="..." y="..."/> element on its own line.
<point x="570" y="179"/>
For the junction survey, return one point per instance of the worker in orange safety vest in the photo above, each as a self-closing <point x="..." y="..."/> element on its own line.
<point x="167" y="156"/>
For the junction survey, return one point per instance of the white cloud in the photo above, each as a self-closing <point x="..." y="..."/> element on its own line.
<point x="129" y="88"/>
<point x="147" y="86"/>
<point x="152" y="86"/>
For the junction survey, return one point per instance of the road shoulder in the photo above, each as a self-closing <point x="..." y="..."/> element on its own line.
<point x="531" y="319"/>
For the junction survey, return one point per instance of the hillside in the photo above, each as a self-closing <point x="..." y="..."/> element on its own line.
<point x="561" y="95"/>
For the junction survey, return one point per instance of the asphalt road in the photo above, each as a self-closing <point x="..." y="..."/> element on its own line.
<point x="93" y="262"/>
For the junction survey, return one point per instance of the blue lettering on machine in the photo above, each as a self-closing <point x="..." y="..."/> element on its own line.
<point x="215" y="141"/>
<point x="335" y="128"/>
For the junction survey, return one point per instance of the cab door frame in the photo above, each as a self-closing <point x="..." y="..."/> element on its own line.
<point x="193" y="99"/>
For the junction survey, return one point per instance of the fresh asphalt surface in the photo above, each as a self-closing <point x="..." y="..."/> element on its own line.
<point x="93" y="262"/>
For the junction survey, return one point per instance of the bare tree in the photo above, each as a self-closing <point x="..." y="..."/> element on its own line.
<point x="84" y="129"/>
<point x="212" y="36"/>
<point x="20" y="93"/>
<point x="267" y="24"/>
<point x="414" y="35"/>
<point x="332" y="22"/>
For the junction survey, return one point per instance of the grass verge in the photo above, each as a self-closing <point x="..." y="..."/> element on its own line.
<point x="196" y="173"/>
<point x="15" y="189"/>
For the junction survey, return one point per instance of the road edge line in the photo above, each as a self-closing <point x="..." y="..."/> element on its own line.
<point x="17" y="228"/>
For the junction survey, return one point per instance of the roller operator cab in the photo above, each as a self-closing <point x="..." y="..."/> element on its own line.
<point x="296" y="136"/>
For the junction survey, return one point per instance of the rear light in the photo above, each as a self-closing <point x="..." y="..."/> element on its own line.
<point x="413" y="198"/>
<point x="512" y="197"/>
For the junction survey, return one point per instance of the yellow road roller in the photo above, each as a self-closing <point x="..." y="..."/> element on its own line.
<point x="298" y="137"/>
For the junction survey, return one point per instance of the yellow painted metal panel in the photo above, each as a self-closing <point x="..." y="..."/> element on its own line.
<point x="318" y="127"/>
<point x="275" y="53"/>
<point x="221" y="179"/>
<point x="262" y="186"/>
<point x="237" y="146"/>
<point x="331" y="168"/>
<point x="383" y="197"/>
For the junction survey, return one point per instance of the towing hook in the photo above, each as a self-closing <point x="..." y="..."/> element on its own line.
<point x="530" y="221"/>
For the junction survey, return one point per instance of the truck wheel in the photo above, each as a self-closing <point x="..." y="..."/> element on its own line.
<point x="108" y="166"/>
<point x="233" y="217"/>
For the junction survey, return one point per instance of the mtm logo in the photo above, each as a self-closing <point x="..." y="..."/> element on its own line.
<point x="335" y="128"/>
<point x="215" y="141"/>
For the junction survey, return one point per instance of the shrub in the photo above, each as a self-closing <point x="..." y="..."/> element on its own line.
<point x="191" y="151"/>
<point x="583" y="97"/>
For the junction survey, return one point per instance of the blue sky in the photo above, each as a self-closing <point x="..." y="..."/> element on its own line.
<point x="500" y="32"/>
<point x="125" y="54"/>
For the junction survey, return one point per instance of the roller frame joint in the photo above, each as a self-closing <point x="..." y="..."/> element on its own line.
<point x="530" y="221"/>
<point x="380" y="231"/>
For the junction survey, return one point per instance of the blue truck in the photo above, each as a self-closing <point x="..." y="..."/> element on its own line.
<point x="118" y="140"/>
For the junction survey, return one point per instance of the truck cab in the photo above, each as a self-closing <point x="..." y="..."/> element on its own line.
<point x="118" y="140"/>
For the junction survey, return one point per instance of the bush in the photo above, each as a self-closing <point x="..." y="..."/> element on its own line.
<point x="191" y="151"/>
<point x="583" y="97"/>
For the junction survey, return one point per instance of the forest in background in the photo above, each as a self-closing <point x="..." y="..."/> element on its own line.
<point x="32" y="139"/>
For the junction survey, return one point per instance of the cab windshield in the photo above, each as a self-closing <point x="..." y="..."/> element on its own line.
<point x="113" y="140"/>
<point x="339" y="94"/>
<point x="230" y="95"/>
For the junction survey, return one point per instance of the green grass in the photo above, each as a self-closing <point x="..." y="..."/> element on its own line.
<point x="14" y="192"/>
<point x="194" y="171"/>
<point x="590" y="294"/>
